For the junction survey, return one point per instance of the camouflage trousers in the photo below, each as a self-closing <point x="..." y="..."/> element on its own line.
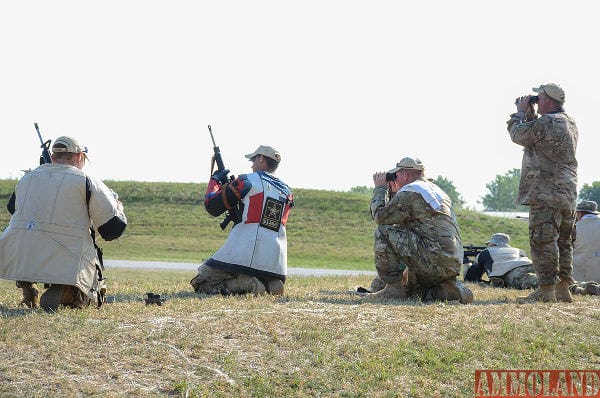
<point x="212" y="281"/>
<point x="521" y="278"/>
<point x="396" y="248"/>
<point x="550" y="237"/>
<point x="586" y="288"/>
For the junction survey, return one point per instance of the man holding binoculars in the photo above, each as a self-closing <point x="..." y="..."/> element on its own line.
<point x="418" y="249"/>
<point x="548" y="186"/>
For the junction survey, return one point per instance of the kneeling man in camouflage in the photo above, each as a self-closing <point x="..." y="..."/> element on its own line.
<point x="418" y="248"/>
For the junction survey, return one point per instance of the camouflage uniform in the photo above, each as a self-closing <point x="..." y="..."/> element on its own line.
<point x="411" y="232"/>
<point x="586" y="288"/>
<point x="549" y="186"/>
<point x="521" y="278"/>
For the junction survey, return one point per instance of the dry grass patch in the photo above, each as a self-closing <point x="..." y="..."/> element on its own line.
<point x="317" y="340"/>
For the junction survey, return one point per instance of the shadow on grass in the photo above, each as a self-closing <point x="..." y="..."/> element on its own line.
<point x="8" y="312"/>
<point x="132" y="298"/>
<point x="350" y="297"/>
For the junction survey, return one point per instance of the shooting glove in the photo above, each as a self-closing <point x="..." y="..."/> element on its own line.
<point x="220" y="175"/>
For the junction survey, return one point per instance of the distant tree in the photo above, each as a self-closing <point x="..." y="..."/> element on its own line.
<point x="448" y="187"/>
<point x="590" y="192"/>
<point x="362" y="190"/>
<point x="503" y="193"/>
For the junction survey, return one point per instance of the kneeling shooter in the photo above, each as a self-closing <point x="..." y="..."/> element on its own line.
<point x="253" y="259"/>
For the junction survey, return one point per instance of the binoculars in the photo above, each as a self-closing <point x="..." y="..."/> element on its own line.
<point x="532" y="100"/>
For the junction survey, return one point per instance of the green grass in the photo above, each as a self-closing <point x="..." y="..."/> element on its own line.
<point x="326" y="229"/>
<point x="315" y="341"/>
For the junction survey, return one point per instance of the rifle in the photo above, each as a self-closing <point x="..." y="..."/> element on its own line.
<point x="44" y="158"/>
<point x="471" y="251"/>
<point x="45" y="146"/>
<point x="223" y="178"/>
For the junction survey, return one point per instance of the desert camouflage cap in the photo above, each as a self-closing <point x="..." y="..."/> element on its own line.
<point x="588" y="206"/>
<point x="267" y="151"/>
<point x="553" y="90"/>
<point x="68" y="144"/>
<point x="408" y="164"/>
<point x="499" y="239"/>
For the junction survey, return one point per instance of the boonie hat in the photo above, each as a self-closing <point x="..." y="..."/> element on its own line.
<point x="408" y="164"/>
<point x="68" y="144"/>
<point x="588" y="206"/>
<point x="499" y="239"/>
<point x="267" y="151"/>
<point x="552" y="90"/>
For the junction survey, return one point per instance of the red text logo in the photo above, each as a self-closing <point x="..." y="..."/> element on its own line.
<point x="537" y="383"/>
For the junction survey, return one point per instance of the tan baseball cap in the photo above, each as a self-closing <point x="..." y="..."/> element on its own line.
<point x="588" y="206"/>
<point x="408" y="164"/>
<point x="552" y="90"/>
<point x="267" y="151"/>
<point x="68" y="144"/>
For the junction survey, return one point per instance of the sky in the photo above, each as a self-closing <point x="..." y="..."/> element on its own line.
<point x="342" y="89"/>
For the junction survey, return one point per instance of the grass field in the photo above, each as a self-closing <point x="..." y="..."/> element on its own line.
<point x="315" y="341"/>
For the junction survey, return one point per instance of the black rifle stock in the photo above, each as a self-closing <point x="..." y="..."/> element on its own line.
<point x="224" y="179"/>
<point x="45" y="146"/>
<point x="471" y="251"/>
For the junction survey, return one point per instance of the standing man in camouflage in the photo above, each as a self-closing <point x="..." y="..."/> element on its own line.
<point x="418" y="248"/>
<point x="548" y="186"/>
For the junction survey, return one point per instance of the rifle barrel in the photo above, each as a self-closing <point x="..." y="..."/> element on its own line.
<point x="211" y="137"/>
<point x="44" y="145"/>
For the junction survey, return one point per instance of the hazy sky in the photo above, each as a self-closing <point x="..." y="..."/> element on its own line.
<point x="341" y="88"/>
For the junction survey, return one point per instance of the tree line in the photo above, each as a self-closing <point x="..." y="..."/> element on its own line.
<point x="501" y="194"/>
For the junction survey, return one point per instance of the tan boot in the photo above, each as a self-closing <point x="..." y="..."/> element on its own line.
<point x="453" y="290"/>
<point x="74" y="298"/>
<point x="31" y="295"/>
<point x="390" y="291"/>
<point x="376" y="285"/>
<point x="543" y="294"/>
<point x="275" y="287"/>
<point x="562" y="293"/>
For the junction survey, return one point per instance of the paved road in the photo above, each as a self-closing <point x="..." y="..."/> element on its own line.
<point x="192" y="267"/>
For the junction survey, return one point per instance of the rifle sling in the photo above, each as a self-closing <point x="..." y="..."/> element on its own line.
<point x="88" y="195"/>
<point x="225" y="201"/>
<point x="213" y="160"/>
